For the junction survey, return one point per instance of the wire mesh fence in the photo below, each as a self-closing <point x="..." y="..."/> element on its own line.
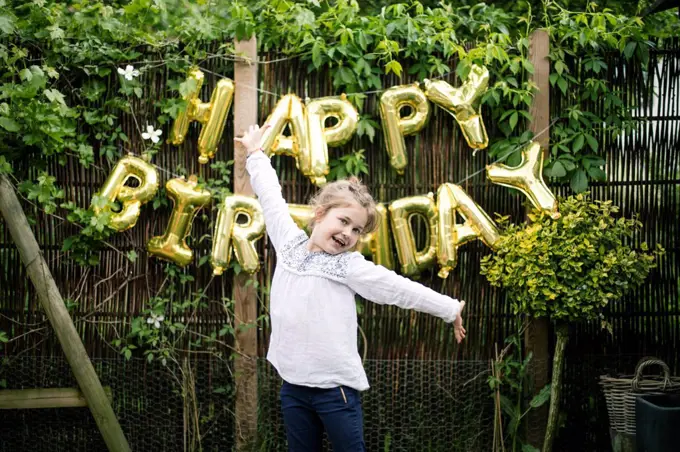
<point x="411" y="406"/>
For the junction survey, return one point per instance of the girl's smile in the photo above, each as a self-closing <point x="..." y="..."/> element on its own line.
<point x="339" y="229"/>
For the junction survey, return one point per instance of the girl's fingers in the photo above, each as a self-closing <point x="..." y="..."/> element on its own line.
<point x="248" y="135"/>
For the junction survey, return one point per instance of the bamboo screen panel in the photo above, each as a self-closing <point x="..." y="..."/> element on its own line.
<point x="403" y="347"/>
<point x="436" y="155"/>
<point x="643" y="171"/>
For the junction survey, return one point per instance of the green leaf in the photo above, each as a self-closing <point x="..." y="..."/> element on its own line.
<point x="508" y="407"/>
<point x="346" y="75"/>
<point x="540" y="398"/>
<point x="629" y="50"/>
<point x="393" y="66"/>
<point x="5" y="166"/>
<point x="577" y="145"/>
<point x="86" y="155"/>
<point x="9" y="125"/>
<point x="316" y="54"/>
<point x="132" y="255"/>
<point x="364" y="127"/>
<point x="25" y="74"/>
<point x="562" y="84"/>
<point x="55" y="96"/>
<point x="597" y="173"/>
<point x="592" y="160"/>
<point x="558" y="170"/>
<point x="304" y="17"/>
<point x="592" y="142"/>
<point x="6" y="24"/>
<point x="68" y="243"/>
<point x="188" y="87"/>
<point x="568" y="164"/>
<point x="513" y="120"/>
<point x="579" y="181"/>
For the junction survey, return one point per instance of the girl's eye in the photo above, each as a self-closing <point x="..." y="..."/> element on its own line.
<point x="343" y="221"/>
<point x="357" y="230"/>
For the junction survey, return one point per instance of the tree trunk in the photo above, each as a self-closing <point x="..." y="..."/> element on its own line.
<point x="562" y="330"/>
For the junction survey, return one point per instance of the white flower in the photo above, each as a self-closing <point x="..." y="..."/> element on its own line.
<point x="152" y="134"/>
<point x="155" y="319"/>
<point x="129" y="72"/>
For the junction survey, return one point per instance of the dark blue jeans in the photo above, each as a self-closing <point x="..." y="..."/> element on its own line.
<point x="308" y="411"/>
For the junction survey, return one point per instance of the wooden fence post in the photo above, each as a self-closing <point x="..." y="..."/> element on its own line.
<point x="245" y="295"/>
<point x="59" y="318"/>
<point x="536" y="338"/>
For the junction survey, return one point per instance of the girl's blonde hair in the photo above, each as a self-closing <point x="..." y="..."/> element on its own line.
<point x="341" y="194"/>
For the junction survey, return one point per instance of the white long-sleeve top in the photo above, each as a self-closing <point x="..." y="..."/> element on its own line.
<point x="313" y="312"/>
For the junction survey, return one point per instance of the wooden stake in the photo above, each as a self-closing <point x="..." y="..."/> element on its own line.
<point x="536" y="335"/>
<point x="56" y="312"/>
<point x="245" y="295"/>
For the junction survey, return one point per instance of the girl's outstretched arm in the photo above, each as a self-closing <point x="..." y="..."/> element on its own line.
<point x="280" y="226"/>
<point x="383" y="286"/>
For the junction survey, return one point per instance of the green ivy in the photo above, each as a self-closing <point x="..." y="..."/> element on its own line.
<point x="353" y="164"/>
<point x="579" y="45"/>
<point x="356" y="48"/>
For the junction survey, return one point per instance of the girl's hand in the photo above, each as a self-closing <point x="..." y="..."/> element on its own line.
<point x="458" y="329"/>
<point x="252" y="139"/>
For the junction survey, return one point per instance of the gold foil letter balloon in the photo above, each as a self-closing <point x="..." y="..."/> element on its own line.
<point x="212" y="115"/>
<point x="241" y="236"/>
<point x="376" y="245"/>
<point x="395" y="128"/>
<point x="527" y="178"/>
<point x="452" y="199"/>
<point x="414" y="261"/>
<point x="301" y="214"/>
<point x="131" y="198"/>
<point x="459" y="102"/>
<point x="289" y="111"/>
<point x="313" y="161"/>
<point x="187" y="200"/>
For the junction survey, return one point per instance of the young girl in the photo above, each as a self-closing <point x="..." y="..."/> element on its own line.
<point x="313" y="343"/>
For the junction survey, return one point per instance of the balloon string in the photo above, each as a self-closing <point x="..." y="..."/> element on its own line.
<point x="502" y="159"/>
<point x="277" y="95"/>
<point x="260" y="90"/>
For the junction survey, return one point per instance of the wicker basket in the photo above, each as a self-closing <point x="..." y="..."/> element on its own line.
<point x="621" y="392"/>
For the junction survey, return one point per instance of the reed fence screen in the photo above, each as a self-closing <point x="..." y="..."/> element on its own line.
<point x="427" y="392"/>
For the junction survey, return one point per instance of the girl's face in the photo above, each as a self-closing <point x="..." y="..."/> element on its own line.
<point x="339" y="229"/>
